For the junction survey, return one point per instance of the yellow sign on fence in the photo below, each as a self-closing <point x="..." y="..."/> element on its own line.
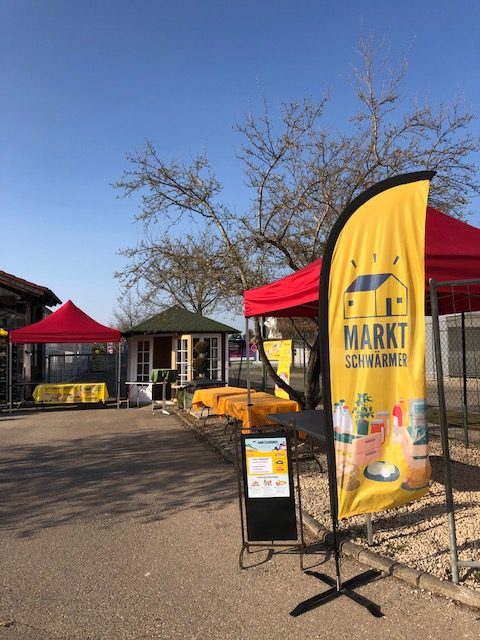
<point x="284" y="366"/>
<point x="281" y="351"/>
<point x="272" y="349"/>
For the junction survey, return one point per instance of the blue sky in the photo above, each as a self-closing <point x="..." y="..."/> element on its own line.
<point x="83" y="83"/>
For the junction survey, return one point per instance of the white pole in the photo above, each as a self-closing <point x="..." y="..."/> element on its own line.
<point x="119" y="368"/>
<point x="368" y="520"/>
<point x="247" y="352"/>
<point x="10" y="377"/>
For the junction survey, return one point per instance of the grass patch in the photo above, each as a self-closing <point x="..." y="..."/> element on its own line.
<point x="454" y="417"/>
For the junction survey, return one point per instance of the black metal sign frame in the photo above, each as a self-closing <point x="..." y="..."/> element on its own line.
<point x="268" y="521"/>
<point x="270" y="517"/>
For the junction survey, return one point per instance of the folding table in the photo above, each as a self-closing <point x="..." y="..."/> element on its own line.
<point x="209" y="398"/>
<point x="255" y="413"/>
<point x="70" y="393"/>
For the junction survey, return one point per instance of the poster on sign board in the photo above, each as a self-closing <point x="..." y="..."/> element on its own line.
<point x="267" y="467"/>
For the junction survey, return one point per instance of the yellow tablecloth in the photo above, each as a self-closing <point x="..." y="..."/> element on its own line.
<point x="261" y="405"/>
<point x="71" y="393"/>
<point x="221" y="407"/>
<point x="210" y="397"/>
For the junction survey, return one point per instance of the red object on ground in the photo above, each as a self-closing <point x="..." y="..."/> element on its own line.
<point x="452" y="252"/>
<point x="67" y="324"/>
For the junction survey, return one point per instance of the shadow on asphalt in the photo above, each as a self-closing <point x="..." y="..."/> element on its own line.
<point x="142" y="476"/>
<point x="315" y="555"/>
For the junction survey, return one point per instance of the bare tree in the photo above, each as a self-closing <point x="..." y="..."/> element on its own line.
<point x="187" y="271"/>
<point x="302" y="175"/>
<point x="129" y="311"/>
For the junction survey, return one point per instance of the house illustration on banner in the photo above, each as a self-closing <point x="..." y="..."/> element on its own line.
<point x="378" y="295"/>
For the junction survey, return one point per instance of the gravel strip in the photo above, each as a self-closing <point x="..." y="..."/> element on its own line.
<point x="415" y="534"/>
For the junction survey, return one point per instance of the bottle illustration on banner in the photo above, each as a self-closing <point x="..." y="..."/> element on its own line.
<point x="346" y="420"/>
<point x="397" y="415"/>
<point x="398" y="423"/>
<point x="337" y="417"/>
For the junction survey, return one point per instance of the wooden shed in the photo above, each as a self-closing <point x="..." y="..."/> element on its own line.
<point x="167" y="341"/>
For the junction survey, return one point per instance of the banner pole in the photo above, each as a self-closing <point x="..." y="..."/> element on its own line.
<point x="119" y="369"/>
<point x="329" y="441"/>
<point x="444" y="433"/>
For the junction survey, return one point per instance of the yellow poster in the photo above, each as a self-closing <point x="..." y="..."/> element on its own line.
<point x="284" y="366"/>
<point x="376" y="338"/>
<point x="267" y="467"/>
<point x="272" y="349"/>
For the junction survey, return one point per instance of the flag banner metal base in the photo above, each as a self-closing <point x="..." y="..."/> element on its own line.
<point x="346" y="589"/>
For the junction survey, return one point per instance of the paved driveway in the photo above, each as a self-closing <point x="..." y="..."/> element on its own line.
<point x="124" y="525"/>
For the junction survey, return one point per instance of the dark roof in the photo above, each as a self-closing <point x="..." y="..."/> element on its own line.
<point x="179" y="320"/>
<point x="368" y="283"/>
<point x="13" y="283"/>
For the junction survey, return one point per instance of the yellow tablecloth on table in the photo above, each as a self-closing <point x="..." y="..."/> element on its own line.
<point x="210" y="397"/>
<point x="223" y="402"/>
<point x="261" y="405"/>
<point x="71" y="393"/>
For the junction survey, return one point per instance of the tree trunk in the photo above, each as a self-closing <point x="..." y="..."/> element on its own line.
<point x="313" y="390"/>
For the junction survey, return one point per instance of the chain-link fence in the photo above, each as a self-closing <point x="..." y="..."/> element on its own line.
<point x="259" y="380"/>
<point x="83" y="367"/>
<point x="460" y="346"/>
<point x="454" y="350"/>
<point x="460" y="353"/>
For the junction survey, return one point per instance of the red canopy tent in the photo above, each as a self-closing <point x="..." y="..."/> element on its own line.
<point x="69" y="324"/>
<point x="452" y="252"/>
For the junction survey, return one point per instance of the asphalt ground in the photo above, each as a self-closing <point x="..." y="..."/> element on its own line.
<point x="122" y="524"/>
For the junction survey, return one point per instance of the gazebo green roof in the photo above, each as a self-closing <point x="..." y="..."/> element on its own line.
<point x="179" y="320"/>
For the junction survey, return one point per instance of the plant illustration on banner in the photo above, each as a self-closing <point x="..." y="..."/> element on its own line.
<point x="364" y="411"/>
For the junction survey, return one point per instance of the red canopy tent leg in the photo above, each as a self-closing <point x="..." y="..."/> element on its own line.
<point x="119" y="368"/>
<point x="10" y="377"/>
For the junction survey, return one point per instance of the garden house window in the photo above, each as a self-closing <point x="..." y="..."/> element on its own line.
<point x="143" y="361"/>
<point x="182" y="361"/>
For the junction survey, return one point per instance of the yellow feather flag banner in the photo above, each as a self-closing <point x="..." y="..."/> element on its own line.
<point x="372" y="303"/>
